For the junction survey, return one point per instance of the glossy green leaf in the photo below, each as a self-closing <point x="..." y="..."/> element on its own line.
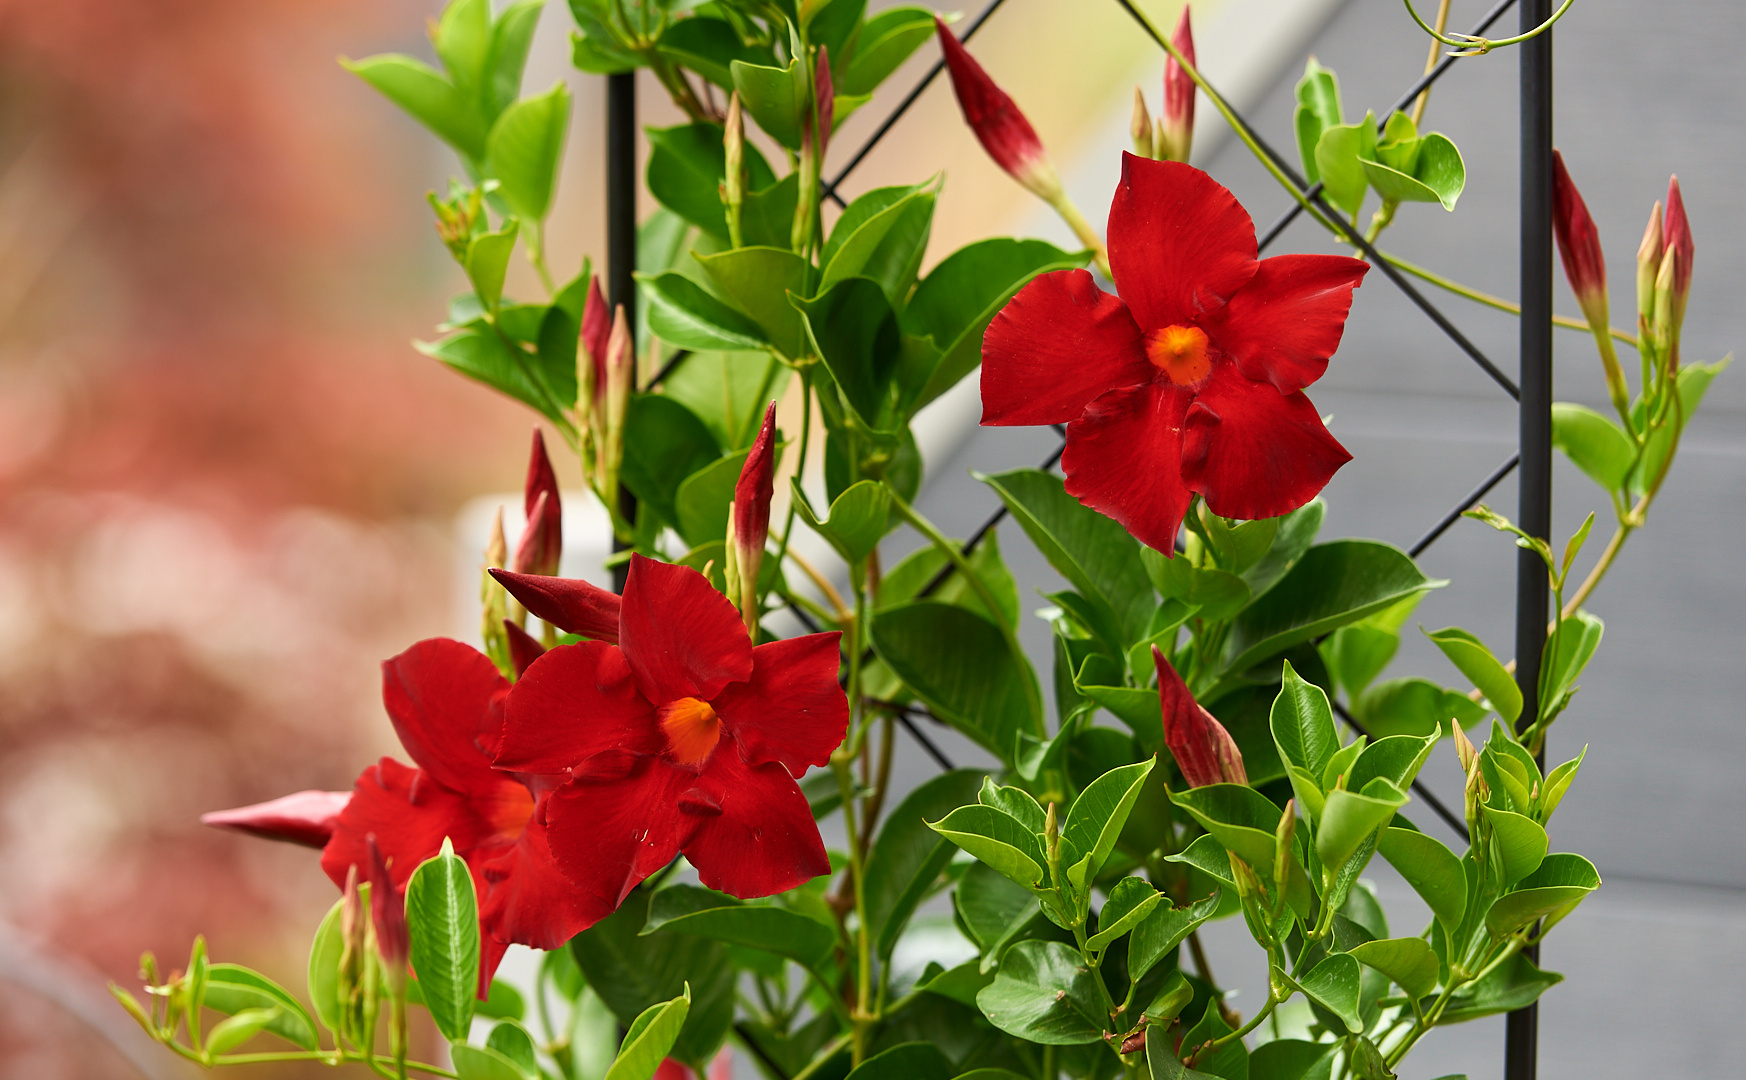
<point x="857" y="522"/>
<point x="511" y="36"/>
<point x="885" y="248"/>
<point x="1303" y="724"/>
<point x="481" y="353"/>
<point x="1349" y="818"/>
<point x="907" y="857"/>
<point x="1091" y="551"/>
<point x="324" y="962"/>
<point x="462" y="39"/>
<point x="232" y="988"/>
<point x="1130" y="901"/>
<point x="1215" y="593"/>
<point x="486" y="1063"/>
<point x="917" y="569"/>
<point x="664" y="443"/>
<point x="512" y="1041"/>
<point x="997" y="839"/>
<point x="1241" y="818"/>
<point x="728" y="392"/>
<point x="708" y="47"/>
<point x="1413" y="707"/>
<point x="1438" y="174"/>
<point x="1338" y="155"/>
<point x="1560" y="880"/>
<point x="1568" y="651"/>
<point x="700" y="503"/>
<point x="525" y="148"/>
<point x="994" y="910"/>
<point x="1297" y="531"/>
<point x="1512" y="985"/>
<point x="1016" y="802"/>
<point x="1096" y="818"/>
<point x="428" y="97"/>
<point x="774" y="97"/>
<point x="1229" y="1060"/>
<point x="960" y="664"/>
<point x="1594" y="444"/>
<point x="233" y="1031"/>
<point x="1318" y="108"/>
<point x="1432" y="870"/>
<point x="759" y="280"/>
<point x="1694" y="380"/>
<point x="1293" y="1059"/>
<point x="1158" y="935"/>
<point x="954" y="304"/>
<point x="1475" y="661"/>
<point x="1332" y="585"/>
<point x="1207" y="855"/>
<point x="1333" y="984"/>
<point x="685" y="171"/>
<point x="1558" y="782"/>
<point x="854" y="329"/>
<point x="1396" y="758"/>
<point x="1409" y="962"/>
<point x="692" y="909"/>
<point x="1161" y="1060"/>
<point x="1518" y="843"/>
<point x="443" y="919"/>
<point x="1357" y="654"/>
<point x="906" y="1061"/>
<point x="1043" y="993"/>
<point x="681" y="313"/>
<point x="650" y="1038"/>
<point x="488" y="261"/>
<point x="884" y="42"/>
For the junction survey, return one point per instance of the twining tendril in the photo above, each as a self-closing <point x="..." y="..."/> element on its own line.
<point x="1469" y="45"/>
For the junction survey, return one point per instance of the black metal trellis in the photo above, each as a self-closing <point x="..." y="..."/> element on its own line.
<point x="1533" y="394"/>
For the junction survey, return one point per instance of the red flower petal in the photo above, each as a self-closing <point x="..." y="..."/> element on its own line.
<point x="1054" y="347"/>
<point x="527" y="900"/>
<point x="304" y="817"/>
<point x="575" y="702"/>
<point x="1122" y="460"/>
<point x="491" y="953"/>
<point x="1252" y="451"/>
<point x="752" y="832"/>
<point x="791" y="710"/>
<point x="523" y="648"/>
<point x="410" y="813"/>
<point x="1283" y="325"/>
<point x="607" y="836"/>
<point x="444" y="700"/>
<point x="681" y="637"/>
<point x="570" y="604"/>
<point x="1180" y="245"/>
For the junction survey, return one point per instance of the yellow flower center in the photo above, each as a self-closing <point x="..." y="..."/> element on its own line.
<point x="692" y="730"/>
<point x="1181" y="351"/>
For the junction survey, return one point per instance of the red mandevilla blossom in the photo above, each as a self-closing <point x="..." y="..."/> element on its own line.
<point x="1191" y="380"/>
<point x="681" y="738"/>
<point x="446" y="702"/>
<point x="1203" y="749"/>
<point x="570" y="604"/>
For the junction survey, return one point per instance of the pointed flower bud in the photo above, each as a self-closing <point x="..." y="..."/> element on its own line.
<point x="1179" y="96"/>
<point x="523" y="648"/>
<point x="1666" y="283"/>
<point x="493" y="601"/>
<point x="1282" y="854"/>
<point x="305" y="817"/>
<point x="1141" y="127"/>
<point x="388" y="914"/>
<point x="542" y="540"/>
<point x="1678" y="233"/>
<point x="1578" y="245"/>
<point x="617" y="373"/>
<point x="1464" y="748"/>
<point x="998" y="124"/>
<point x="733" y="185"/>
<point x="596" y="335"/>
<point x="824" y="98"/>
<point x="1648" y="262"/>
<point x="751" y="516"/>
<point x="570" y="604"/>
<point x="1203" y="749"/>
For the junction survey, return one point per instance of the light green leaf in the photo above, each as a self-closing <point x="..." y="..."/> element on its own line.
<point x="525" y="148"/>
<point x="1694" y="380"/>
<point x="485" y="1063"/>
<point x="709" y="46"/>
<point x="1432" y="870"/>
<point x="1514" y="984"/>
<point x="997" y="839"/>
<point x="462" y="40"/>
<point x="1333" y="984"/>
<point x="232" y="988"/>
<point x="443" y="919"/>
<point x="1097" y="816"/>
<point x="1411" y="706"/>
<point x="1594" y="444"/>
<point x="907" y="858"/>
<point x="488" y="261"/>
<point x="681" y="313"/>
<point x="692" y="909"/>
<point x="884" y="42"/>
<point x="1241" y="818"/>
<point x="1408" y="961"/>
<point x="1293" y="1059"/>
<point x="1349" y="818"/>
<point x="1045" y="994"/>
<point x="886" y="248"/>
<point x="510" y="38"/>
<point x="324" y="962"/>
<point x="1297" y="531"/>
<point x="1560" y="882"/>
<point x="430" y="99"/>
<point x="1161" y="1060"/>
<point x="1158" y="935"/>
<point x="1216" y="594"/>
<point x="1475" y="661"/>
<point x="1207" y="855"/>
<point x="233" y="1031"/>
<point x="858" y="520"/>
<point x="758" y="280"/>
<point x="1338" y="153"/>
<point x="1303" y="724"/>
<point x="1518" y="843"/>
<point x="511" y="1040"/>
<point x="1396" y="758"/>
<point x="1130" y="901"/>
<point x="650" y="1039"/>
<point x="774" y="97"/>
<point x="701" y="500"/>
<point x="685" y="171"/>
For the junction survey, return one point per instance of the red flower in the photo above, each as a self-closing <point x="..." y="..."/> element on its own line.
<point x="542" y="539"/>
<point x="1203" y="749"/>
<point x="1178" y="116"/>
<point x="1000" y="127"/>
<point x="1191" y="380"/>
<point x="305" y="817"/>
<point x="446" y="702"/>
<point x="682" y="738"/>
<point x="570" y="604"/>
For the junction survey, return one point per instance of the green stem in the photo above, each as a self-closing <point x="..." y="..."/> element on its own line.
<point x="831" y="1050"/>
<point x="799" y="462"/>
<point x="1050" y="1071"/>
<point x="862" y="1017"/>
<point x="1260" y="1017"/>
<point x="1468" y="45"/>
<point x="1490" y="301"/>
<point x="536" y="254"/>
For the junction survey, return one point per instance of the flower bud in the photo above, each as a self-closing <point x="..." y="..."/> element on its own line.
<point x="1243" y="875"/>
<point x="493" y="601"/>
<point x="1179" y="96"/>
<point x="749" y="518"/>
<point x="1579" y="245"/>
<point x="1141" y="127"/>
<point x="542" y="539"/>
<point x="388" y="916"/>
<point x="1052" y="836"/>
<point x="523" y="649"/>
<point x="1666" y="284"/>
<point x="596" y="336"/>
<point x="998" y="124"/>
<point x="1464" y="749"/>
<point x="305" y="817"/>
<point x="620" y="370"/>
<point x="1648" y="263"/>
<point x="570" y="604"/>
<point x="1679" y="240"/>
<point x="824" y="98"/>
<point x="733" y="186"/>
<point x="1203" y="749"/>
<point x="1282" y="854"/>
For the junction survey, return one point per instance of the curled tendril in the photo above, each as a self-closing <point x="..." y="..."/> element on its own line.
<point x="1469" y="45"/>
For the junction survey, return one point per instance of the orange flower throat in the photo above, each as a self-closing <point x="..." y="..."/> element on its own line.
<point x="692" y="730"/>
<point x="1181" y="351"/>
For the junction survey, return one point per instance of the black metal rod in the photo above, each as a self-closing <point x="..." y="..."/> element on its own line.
<point x="1450" y="818"/>
<point x="621" y="236"/>
<point x="1418" y="88"/>
<point x="1473" y="496"/>
<point x="927" y="744"/>
<point x="983" y="530"/>
<point x="1534" y="507"/>
<point x="909" y="99"/>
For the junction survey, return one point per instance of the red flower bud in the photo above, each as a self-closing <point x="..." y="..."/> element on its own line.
<point x="388" y="913"/>
<point x="1678" y="234"/>
<point x="1178" y="119"/>
<point x="749" y="527"/>
<point x="1000" y="127"/>
<point x="542" y="539"/>
<point x="824" y="96"/>
<point x="1203" y="749"/>
<point x="306" y="817"/>
<point x="523" y="649"/>
<point x="1579" y="245"/>
<point x="596" y="331"/>
<point x="570" y="604"/>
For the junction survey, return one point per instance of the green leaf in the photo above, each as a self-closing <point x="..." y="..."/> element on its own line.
<point x="1239" y="817"/>
<point x="462" y="39"/>
<point x="692" y="909"/>
<point x="512" y="1041"/>
<point x="1293" y="1059"/>
<point x="905" y="580"/>
<point x="428" y="97"/>
<point x="1561" y="882"/>
<point x="630" y="972"/>
<point x="664" y="443"/>
<point x="1357" y="654"/>
<point x="1297" y="531"/>
<point x="997" y="839"/>
<point x="954" y="304"/>
<point x="1130" y="901"/>
<point x="486" y="1063"/>
<point x="482" y="354"/>
<point x="701" y="501"/>
<point x="1593" y="444"/>
<point x="1207" y="855"/>
<point x="853" y="328"/>
<point x="1438" y="174"/>
<point x="1514" y="984"/>
<point x="232" y="988"/>
<point x="960" y="664"/>
<point x="885" y="248"/>
<point x="1303" y="724"/>
<point x="1557" y="783"/>
<point x="503" y="1001"/>
<point x="1043" y="993"/>
<point x="1333" y="984"/>
<point x="525" y="148"/>
<point x="1568" y="651"/>
<point x="906" y="1061"/>
<point x="1097" y="816"/>
<point x="1230" y="1060"/>
<point x="728" y="392"/>
<point x="1161" y="1060"/>
<point x="443" y="919"/>
<point x="993" y="910"/>
<point x="1349" y="818"/>
<point x="1338" y="155"/>
<point x="682" y="314"/>
<point x="709" y="46"/>
<point x="1318" y="108"/>
<point x="1694" y="380"/>
<point x="1158" y="935"/>
<point x="883" y="43"/>
<point x="1332" y="585"/>
<point x="1475" y="661"/>
<point x="650" y="1038"/>
<point x="1408" y="961"/>
<point x="488" y="261"/>
<point x="510" y="39"/>
<point x="1413" y="707"/>
<point x="1518" y="843"/>
<point x="758" y="280"/>
<point x="1215" y="593"/>
<point x="858" y="518"/>
<point x="233" y="1031"/>
<point x="907" y="857"/>
<point x="774" y="97"/>
<point x="1397" y="759"/>
<point x="324" y="962"/>
<point x="686" y="167"/>
<point x="1091" y="551"/>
